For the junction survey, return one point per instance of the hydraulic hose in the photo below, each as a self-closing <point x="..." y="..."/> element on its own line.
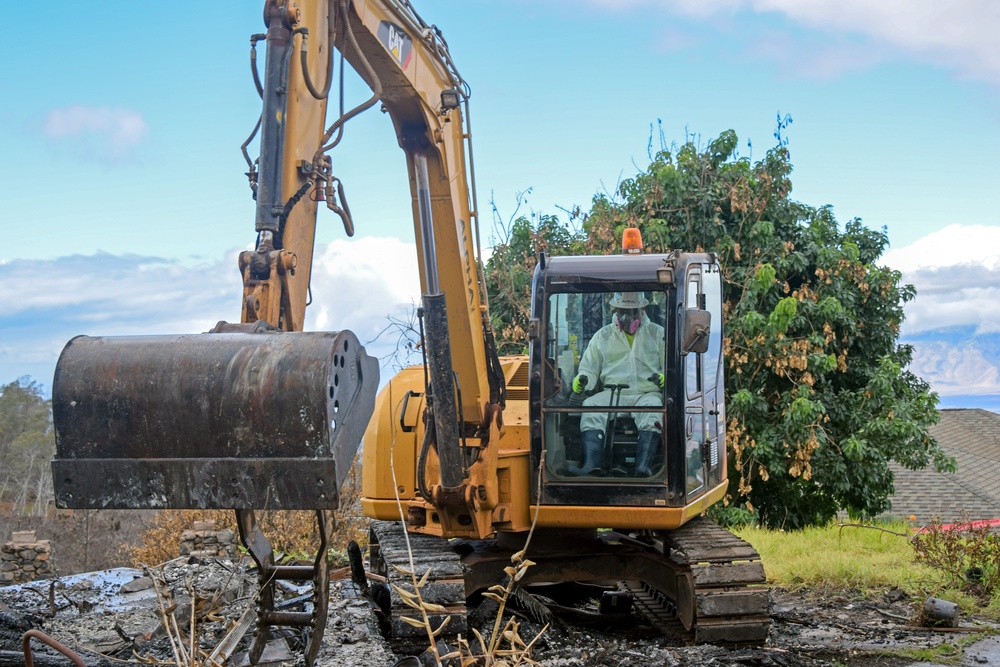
<point x="318" y="94"/>
<point x="425" y="447"/>
<point x="376" y="84"/>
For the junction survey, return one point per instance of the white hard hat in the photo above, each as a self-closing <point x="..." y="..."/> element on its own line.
<point x="628" y="300"/>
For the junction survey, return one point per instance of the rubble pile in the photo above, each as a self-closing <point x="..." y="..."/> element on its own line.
<point x="24" y="559"/>
<point x="117" y="614"/>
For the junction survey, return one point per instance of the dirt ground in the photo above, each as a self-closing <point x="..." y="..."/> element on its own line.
<point x="115" y="613"/>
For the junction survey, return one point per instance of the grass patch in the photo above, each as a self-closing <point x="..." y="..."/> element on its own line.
<point x="942" y="654"/>
<point x="848" y="557"/>
<point x="867" y="558"/>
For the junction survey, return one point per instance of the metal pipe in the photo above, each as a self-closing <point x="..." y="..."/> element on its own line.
<point x="294" y="618"/>
<point x="45" y="639"/>
<point x="426" y="222"/>
<point x="438" y="341"/>
<point x="293" y="572"/>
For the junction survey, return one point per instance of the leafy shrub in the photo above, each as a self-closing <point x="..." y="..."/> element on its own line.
<point x="732" y="516"/>
<point x="968" y="553"/>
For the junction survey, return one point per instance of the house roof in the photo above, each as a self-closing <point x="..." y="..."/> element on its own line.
<point x="972" y="436"/>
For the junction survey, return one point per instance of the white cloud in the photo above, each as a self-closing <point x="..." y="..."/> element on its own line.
<point x="356" y="285"/>
<point x="959" y="35"/>
<point x="361" y="280"/>
<point x="359" y="284"/>
<point x="953" y="323"/>
<point x="101" y="134"/>
<point x="109" y="294"/>
<point x="816" y="60"/>
<point x="956" y="272"/>
<point x="954" y="245"/>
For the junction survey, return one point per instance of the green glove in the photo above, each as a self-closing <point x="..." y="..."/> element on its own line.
<point x="579" y="382"/>
<point x="661" y="380"/>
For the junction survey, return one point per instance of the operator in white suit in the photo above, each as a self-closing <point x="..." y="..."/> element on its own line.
<point x="629" y="351"/>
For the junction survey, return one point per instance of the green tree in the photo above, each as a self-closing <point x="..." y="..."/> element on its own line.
<point x="27" y="445"/>
<point x="510" y="268"/>
<point x="819" y="398"/>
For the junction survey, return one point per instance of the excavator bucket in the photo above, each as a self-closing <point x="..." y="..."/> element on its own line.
<point x="237" y="420"/>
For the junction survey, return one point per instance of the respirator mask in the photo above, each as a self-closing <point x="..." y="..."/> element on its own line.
<point x="628" y="320"/>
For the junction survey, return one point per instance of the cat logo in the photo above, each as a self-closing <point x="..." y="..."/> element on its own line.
<point x="396" y="42"/>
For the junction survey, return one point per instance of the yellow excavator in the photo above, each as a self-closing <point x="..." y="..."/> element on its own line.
<point x="608" y="465"/>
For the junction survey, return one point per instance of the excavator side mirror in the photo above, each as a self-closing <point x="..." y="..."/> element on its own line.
<point x="697" y="325"/>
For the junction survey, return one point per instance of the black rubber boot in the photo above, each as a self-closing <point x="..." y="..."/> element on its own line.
<point x="593" y="456"/>
<point x="647" y="453"/>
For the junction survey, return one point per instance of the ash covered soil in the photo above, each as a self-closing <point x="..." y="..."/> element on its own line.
<point x="116" y="613"/>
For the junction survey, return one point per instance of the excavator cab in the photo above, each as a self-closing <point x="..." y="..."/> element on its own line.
<point x="646" y="428"/>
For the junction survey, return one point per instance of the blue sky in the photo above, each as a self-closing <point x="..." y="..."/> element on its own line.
<point x="124" y="201"/>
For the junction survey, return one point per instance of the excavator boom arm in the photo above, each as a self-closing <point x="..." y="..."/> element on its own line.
<point x="408" y="62"/>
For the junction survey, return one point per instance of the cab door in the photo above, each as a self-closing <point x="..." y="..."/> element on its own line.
<point x="704" y="395"/>
<point x="695" y="396"/>
<point x="713" y="378"/>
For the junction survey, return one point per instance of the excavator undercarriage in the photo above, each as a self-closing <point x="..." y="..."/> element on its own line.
<point x="697" y="584"/>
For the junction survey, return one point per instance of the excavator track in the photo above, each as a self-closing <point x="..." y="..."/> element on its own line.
<point x="726" y="601"/>
<point x="657" y="608"/>
<point x="390" y="550"/>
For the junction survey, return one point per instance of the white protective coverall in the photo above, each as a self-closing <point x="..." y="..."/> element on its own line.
<point x="610" y="359"/>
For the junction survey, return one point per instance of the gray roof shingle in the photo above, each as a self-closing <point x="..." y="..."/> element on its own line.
<point x="972" y="436"/>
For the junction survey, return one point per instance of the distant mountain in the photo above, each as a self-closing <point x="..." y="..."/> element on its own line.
<point x="963" y="366"/>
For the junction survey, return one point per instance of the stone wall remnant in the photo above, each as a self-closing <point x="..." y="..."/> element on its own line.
<point x="25" y="558"/>
<point x="204" y="540"/>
